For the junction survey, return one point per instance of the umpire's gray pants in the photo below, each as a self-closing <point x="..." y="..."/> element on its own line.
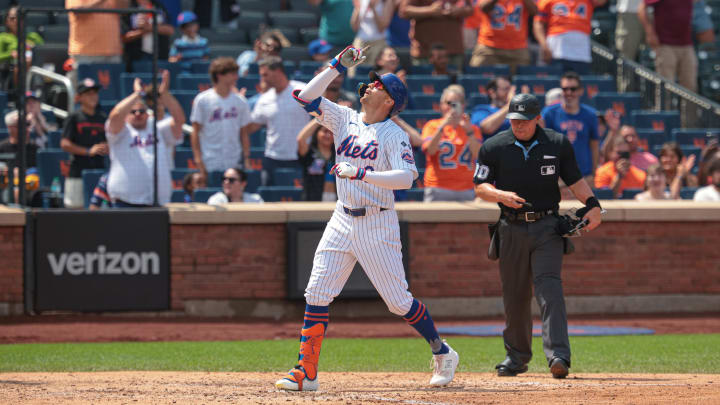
<point x="532" y="252"/>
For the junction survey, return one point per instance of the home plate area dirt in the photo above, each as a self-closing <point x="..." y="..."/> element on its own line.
<point x="355" y="388"/>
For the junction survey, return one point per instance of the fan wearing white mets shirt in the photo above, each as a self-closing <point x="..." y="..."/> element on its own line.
<point x="129" y="133"/>
<point x="374" y="157"/>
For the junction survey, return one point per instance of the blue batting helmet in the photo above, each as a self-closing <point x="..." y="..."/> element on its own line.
<point x="395" y="87"/>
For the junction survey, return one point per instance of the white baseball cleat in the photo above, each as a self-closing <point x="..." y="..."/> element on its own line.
<point x="290" y="383"/>
<point x="444" y="366"/>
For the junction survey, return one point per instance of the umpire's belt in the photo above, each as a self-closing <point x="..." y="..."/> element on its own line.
<point x="527" y="216"/>
<point x="361" y="212"/>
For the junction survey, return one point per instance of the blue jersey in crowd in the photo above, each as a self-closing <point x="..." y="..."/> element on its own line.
<point x="482" y="111"/>
<point x="579" y="128"/>
<point x="191" y="49"/>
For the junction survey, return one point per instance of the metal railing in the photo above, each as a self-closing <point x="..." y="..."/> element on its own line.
<point x="657" y="92"/>
<point x="46" y="75"/>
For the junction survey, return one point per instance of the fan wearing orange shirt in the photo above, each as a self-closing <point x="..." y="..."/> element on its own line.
<point x="450" y="145"/>
<point x="503" y="33"/>
<point x="562" y="29"/>
<point x="618" y="174"/>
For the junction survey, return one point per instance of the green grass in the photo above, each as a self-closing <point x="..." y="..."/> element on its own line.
<point x="615" y="354"/>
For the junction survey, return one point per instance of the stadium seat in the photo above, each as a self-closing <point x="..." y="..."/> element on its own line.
<point x="184" y="158"/>
<point x="90" y="178"/>
<point x="294" y="19"/>
<point x="303" y="5"/>
<point x="4" y="134"/>
<point x="420" y="158"/>
<point x="291" y="177"/>
<point x="105" y="75"/>
<point x="214" y="179"/>
<point x="200" y="67"/>
<point x="257" y="138"/>
<point x="539" y="71"/>
<point x="294" y="53"/>
<point x="225" y="36"/>
<point x="477" y="99"/>
<point x="309" y="34"/>
<point x="56" y="33"/>
<point x="687" y="193"/>
<point x="421" y="69"/>
<point x="597" y="84"/>
<point x="52" y="163"/>
<point x="250" y="82"/>
<point x="253" y="180"/>
<point x="178" y="175"/>
<point x="256" y="157"/>
<point x="194" y="82"/>
<point x="3" y="103"/>
<point x="185" y="98"/>
<point x="695" y="136"/>
<point x="177" y="196"/>
<point x="488" y="71"/>
<point x="291" y="33"/>
<point x="231" y="51"/>
<point x="426" y="101"/>
<point x="660" y="120"/>
<point x="203" y="194"/>
<point x="710" y="86"/>
<point x="280" y="193"/>
<point x="251" y="19"/>
<point x="308" y="67"/>
<point x="630" y="193"/>
<point x="415" y="194"/>
<point x="649" y="139"/>
<point x="54" y="54"/>
<point x="603" y="194"/>
<point x="427" y="84"/>
<point x="418" y="118"/>
<point x="53" y="139"/>
<point x="623" y="103"/>
<point x="474" y="84"/>
<point x="259" y="5"/>
<point x="537" y="85"/>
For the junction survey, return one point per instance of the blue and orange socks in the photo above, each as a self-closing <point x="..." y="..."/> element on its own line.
<point x="315" y="324"/>
<point x="419" y="318"/>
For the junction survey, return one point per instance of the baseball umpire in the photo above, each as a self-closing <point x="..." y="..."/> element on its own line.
<point x="519" y="169"/>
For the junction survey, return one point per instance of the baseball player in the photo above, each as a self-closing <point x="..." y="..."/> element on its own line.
<point x="373" y="158"/>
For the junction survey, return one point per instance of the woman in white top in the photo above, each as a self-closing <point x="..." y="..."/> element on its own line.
<point x="234" y="182"/>
<point x="655" y="185"/>
<point x="369" y="20"/>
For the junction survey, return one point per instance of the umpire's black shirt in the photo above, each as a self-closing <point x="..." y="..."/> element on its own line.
<point x="530" y="171"/>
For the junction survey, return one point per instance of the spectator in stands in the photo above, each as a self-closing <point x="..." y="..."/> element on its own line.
<point x="10" y="145"/>
<point x="319" y="50"/>
<point x="640" y="159"/>
<point x="316" y="150"/>
<point x="563" y="32"/>
<point x="84" y="139"/>
<point x="702" y="25"/>
<point x="234" y="182"/>
<point x="398" y="32"/>
<point x="709" y="154"/>
<point x="100" y="198"/>
<point x="503" y="33"/>
<point x="608" y="130"/>
<point x="629" y="33"/>
<point x="553" y="96"/>
<point x="129" y="132"/>
<point x="138" y="36"/>
<point x="471" y="26"/>
<point x="655" y="188"/>
<point x="192" y="181"/>
<point x="678" y="168"/>
<point x="369" y="20"/>
<point x="439" y="61"/>
<point x="334" y="18"/>
<point x="8" y="50"/>
<point x="94" y="37"/>
<point x="219" y="116"/>
<point x="282" y="115"/>
<point x="450" y="144"/>
<point x="335" y="92"/>
<point x="577" y="121"/>
<point x="190" y="47"/>
<point x="267" y="44"/>
<point x="669" y="34"/>
<point x="436" y="21"/>
<point x="618" y="173"/>
<point x="711" y="192"/>
<point x="388" y="62"/>
<point x="38" y="124"/>
<point x="491" y="117"/>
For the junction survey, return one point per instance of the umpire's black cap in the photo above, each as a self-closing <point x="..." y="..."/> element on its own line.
<point x="523" y="107"/>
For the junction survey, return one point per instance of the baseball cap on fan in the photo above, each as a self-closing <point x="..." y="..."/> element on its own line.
<point x="87" y="84"/>
<point x="319" y="46"/>
<point x="523" y="107"/>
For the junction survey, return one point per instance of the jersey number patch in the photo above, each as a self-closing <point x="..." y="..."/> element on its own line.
<point x="481" y="171"/>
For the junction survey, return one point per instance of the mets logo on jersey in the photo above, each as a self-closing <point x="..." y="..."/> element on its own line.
<point x="408" y="157"/>
<point x="349" y="149"/>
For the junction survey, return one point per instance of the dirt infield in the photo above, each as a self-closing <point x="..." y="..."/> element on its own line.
<point x="354" y="388"/>
<point x="94" y="328"/>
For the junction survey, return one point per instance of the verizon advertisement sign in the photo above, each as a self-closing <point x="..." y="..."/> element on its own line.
<point x="115" y="260"/>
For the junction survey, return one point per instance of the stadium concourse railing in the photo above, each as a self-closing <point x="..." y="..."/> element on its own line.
<point x="657" y="92"/>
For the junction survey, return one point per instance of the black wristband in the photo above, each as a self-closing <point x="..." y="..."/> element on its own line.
<point x="592" y="202"/>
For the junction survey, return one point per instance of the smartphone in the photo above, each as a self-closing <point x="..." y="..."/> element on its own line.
<point x="624" y="155"/>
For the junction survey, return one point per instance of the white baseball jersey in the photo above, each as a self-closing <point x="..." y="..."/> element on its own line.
<point x="372" y="240"/>
<point x="131" y="168"/>
<point x="284" y="119"/>
<point x="379" y="147"/>
<point x="221" y="120"/>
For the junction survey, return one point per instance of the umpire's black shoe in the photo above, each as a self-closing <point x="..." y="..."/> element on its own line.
<point x="559" y="368"/>
<point x="509" y="369"/>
